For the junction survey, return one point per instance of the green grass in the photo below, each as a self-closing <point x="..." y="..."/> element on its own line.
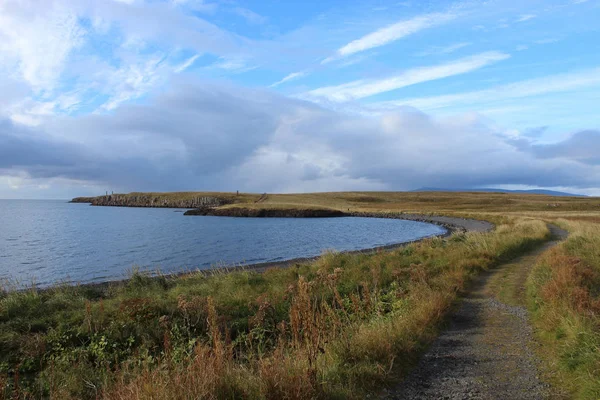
<point x="339" y="327"/>
<point x="564" y="295"/>
<point x="336" y="328"/>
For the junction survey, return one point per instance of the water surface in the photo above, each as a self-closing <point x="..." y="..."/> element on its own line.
<point x="55" y="241"/>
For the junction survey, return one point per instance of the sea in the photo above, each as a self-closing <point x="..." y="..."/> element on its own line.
<point x="48" y="242"/>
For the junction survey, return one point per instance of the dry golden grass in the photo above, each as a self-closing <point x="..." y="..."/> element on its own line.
<point x="438" y="202"/>
<point x="422" y="202"/>
<point x="349" y="323"/>
<point x="336" y="328"/>
<point x="564" y="291"/>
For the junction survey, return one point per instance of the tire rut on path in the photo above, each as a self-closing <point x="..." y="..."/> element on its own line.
<point x="485" y="352"/>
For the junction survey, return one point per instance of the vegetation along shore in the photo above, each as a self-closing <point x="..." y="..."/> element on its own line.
<point x="341" y="326"/>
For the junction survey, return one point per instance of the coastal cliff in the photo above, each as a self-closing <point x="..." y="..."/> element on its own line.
<point x="167" y="200"/>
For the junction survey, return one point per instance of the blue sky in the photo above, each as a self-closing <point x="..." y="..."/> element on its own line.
<point x="293" y="96"/>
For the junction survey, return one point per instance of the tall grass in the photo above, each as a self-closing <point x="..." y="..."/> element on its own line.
<point x="335" y="328"/>
<point x="564" y="294"/>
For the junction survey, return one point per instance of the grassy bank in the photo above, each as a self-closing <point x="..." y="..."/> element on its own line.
<point x="564" y="295"/>
<point x="336" y="328"/>
<point x="418" y="202"/>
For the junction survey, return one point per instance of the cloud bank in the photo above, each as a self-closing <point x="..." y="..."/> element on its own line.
<point x="222" y="137"/>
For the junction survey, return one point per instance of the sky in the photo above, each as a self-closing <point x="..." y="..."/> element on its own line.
<point x="297" y="96"/>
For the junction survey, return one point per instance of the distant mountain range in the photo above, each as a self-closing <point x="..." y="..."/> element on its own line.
<point x="493" y="190"/>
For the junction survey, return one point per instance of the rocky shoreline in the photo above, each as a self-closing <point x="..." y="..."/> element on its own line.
<point x="453" y="224"/>
<point x="212" y="205"/>
<point x="266" y="212"/>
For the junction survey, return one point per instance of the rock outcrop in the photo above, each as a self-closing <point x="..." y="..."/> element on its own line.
<point x="119" y="200"/>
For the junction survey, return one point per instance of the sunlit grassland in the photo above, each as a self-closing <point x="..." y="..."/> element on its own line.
<point x="335" y="328"/>
<point x="421" y="202"/>
<point x="339" y="327"/>
<point x="564" y="295"/>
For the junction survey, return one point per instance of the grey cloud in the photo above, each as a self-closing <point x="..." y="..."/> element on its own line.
<point x="409" y="149"/>
<point x="582" y="146"/>
<point x="221" y="137"/>
<point x="21" y="147"/>
<point x="11" y="90"/>
<point x="535" y="132"/>
<point x="44" y="157"/>
<point x="182" y="139"/>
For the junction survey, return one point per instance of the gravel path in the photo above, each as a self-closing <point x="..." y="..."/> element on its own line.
<point x="485" y="353"/>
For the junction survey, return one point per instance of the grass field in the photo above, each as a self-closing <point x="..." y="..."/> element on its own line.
<point x="564" y="296"/>
<point x="436" y="202"/>
<point x="340" y="327"/>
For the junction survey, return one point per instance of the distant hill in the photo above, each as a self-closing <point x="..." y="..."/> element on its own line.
<point x="493" y="190"/>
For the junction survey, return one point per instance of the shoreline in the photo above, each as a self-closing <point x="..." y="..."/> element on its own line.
<point x="450" y="224"/>
<point x="262" y="267"/>
<point x="244" y="212"/>
<point x="457" y="223"/>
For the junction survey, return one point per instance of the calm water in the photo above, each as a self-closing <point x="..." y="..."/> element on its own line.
<point x="54" y="241"/>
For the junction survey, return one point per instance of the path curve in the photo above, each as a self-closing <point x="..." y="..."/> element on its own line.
<point x="485" y="353"/>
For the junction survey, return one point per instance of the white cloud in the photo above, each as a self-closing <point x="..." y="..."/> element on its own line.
<point x="135" y="79"/>
<point x="355" y="60"/>
<point x="290" y="77"/>
<point x="271" y="143"/>
<point x="526" y="17"/>
<point x="37" y="40"/>
<point x="39" y="43"/>
<point x="186" y="64"/>
<point x="442" y="49"/>
<point x="391" y="33"/>
<point x="33" y="112"/>
<point x="249" y="15"/>
<point x="164" y="24"/>
<point x="365" y="88"/>
<point x="233" y="64"/>
<point x="528" y="88"/>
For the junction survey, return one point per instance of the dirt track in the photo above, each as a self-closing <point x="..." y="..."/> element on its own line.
<point x="485" y="353"/>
